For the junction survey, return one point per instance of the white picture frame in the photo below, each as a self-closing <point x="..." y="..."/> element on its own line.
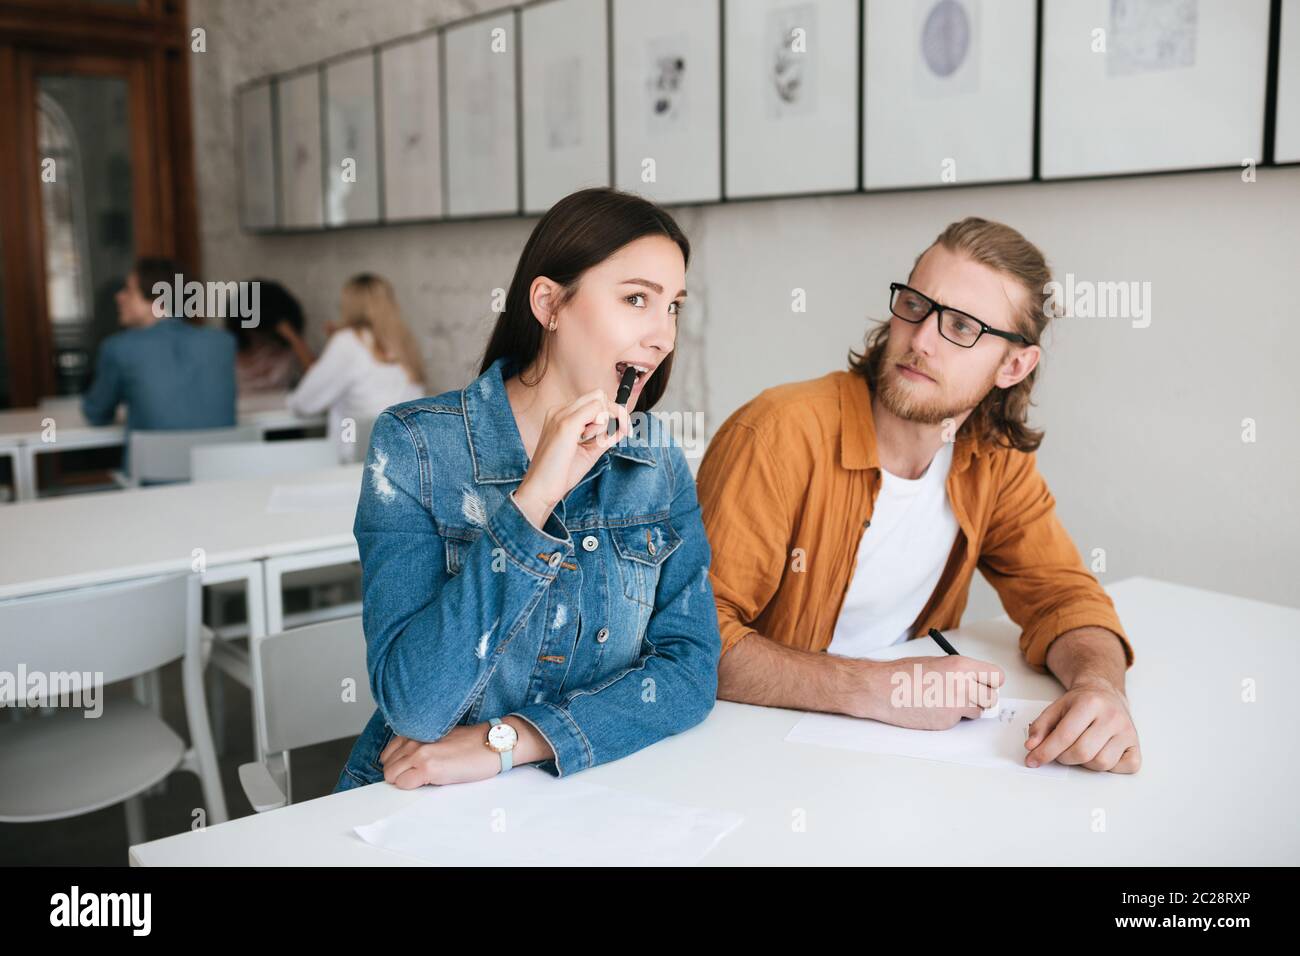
<point x="257" y="174"/>
<point x="1286" y="141"/>
<point x="665" y="60"/>
<point x="565" y="106"/>
<point x="1177" y="84"/>
<point x="482" y="120"/>
<point x="299" y="137"/>
<point x="352" y="169"/>
<point x="791" y="100"/>
<point x="948" y="92"/>
<point x="410" y="83"/>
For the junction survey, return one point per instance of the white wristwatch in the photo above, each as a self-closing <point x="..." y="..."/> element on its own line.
<point x="502" y="738"/>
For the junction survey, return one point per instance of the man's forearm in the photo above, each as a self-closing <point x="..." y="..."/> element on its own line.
<point x="1088" y="653"/>
<point x="760" y="671"/>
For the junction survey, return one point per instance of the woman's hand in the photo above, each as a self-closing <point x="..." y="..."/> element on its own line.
<point x="462" y="756"/>
<point x="561" y="459"/>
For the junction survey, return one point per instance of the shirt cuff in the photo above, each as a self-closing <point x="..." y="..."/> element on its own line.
<point x="541" y="552"/>
<point x="570" y="745"/>
<point x="1035" y="641"/>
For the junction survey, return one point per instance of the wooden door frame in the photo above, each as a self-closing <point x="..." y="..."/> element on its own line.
<point x="147" y="44"/>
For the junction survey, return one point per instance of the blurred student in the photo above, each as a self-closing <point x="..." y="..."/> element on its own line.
<point x="265" y="362"/>
<point x="371" y="361"/>
<point x="170" y="372"/>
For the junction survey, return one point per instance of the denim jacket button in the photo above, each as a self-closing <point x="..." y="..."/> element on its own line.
<point x="602" y="635"/>
<point x="555" y="559"/>
<point x="590" y="543"/>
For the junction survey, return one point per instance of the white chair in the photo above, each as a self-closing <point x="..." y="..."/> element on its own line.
<point x="260" y="459"/>
<point x="64" y="762"/>
<point x="299" y="683"/>
<point x="164" y="455"/>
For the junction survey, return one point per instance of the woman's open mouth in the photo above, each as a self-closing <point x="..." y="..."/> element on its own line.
<point x="641" y="371"/>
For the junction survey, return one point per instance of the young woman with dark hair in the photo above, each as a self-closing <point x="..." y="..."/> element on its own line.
<point x="536" y="586"/>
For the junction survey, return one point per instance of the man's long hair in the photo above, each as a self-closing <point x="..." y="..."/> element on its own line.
<point x="1001" y="417"/>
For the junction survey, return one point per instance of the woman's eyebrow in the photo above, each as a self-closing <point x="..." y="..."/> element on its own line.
<point x="649" y="285"/>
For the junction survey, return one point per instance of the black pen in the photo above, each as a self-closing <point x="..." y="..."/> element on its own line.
<point x="942" y="641"/>
<point x="624" y="393"/>
<point x="620" y="398"/>
<point x="949" y="649"/>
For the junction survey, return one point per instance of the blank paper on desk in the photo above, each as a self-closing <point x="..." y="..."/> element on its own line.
<point x="996" y="743"/>
<point x="527" y="817"/>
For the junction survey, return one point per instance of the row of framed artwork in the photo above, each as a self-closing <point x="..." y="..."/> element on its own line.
<point x="699" y="101"/>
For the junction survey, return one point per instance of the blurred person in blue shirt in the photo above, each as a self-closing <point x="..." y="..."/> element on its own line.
<point x="170" y="373"/>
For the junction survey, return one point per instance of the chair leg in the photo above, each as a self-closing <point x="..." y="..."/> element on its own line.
<point x="135" y="829"/>
<point x="147" y="689"/>
<point x="217" y="708"/>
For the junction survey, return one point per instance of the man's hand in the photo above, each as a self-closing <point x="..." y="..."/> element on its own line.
<point x="926" y="693"/>
<point x="1089" y="726"/>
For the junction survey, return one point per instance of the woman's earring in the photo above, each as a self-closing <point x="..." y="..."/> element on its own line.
<point x="552" y="325"/>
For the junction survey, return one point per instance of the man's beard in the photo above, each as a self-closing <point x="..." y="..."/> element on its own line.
<point x="903" y="398"/>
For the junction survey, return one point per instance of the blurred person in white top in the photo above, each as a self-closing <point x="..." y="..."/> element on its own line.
<point x="370" y="361"/>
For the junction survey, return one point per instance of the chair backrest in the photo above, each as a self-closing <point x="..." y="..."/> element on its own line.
<point x="314" y="684"/>
<point x="259" y="459"/>
<point x="165" y="455"/>
<point x="111" y="631"/>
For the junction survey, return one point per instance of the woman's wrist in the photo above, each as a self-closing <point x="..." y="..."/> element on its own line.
<point x="532" y="746"/>
<point x="535" y="510"/>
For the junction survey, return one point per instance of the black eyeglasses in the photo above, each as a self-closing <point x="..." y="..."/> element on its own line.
<point x="954" y="325"/>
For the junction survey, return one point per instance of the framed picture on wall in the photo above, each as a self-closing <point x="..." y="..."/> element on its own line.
<point x="257" y="156"/>
<point x="410" y="84"/>
<point x="948" y="92"/>
<point x="299" y="137"/>
<point x="565" y="65"/>
<point x="352" y="173"/>
<point x="791" y="100"/>
<point x="668" y="99"/>
<point x="1286" y="143"/>
<point x="481" y="60"/>
<point x="1148" y="85"/>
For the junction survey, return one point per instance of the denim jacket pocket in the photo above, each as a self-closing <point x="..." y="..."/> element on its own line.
<point x="642" y="549"/>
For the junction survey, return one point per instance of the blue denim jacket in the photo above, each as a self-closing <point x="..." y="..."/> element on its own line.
<point x="599" y="630"/>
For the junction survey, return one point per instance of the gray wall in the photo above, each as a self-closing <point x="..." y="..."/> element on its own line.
<point x="1144" y="450"/>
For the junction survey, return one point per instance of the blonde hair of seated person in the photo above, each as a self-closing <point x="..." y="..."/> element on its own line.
<point x="368" y="302"/>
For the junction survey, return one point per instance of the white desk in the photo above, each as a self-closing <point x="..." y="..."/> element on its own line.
<point x="24" y="433"/>
<point x="78" y="540"/>
<point x="1217" y="785"/>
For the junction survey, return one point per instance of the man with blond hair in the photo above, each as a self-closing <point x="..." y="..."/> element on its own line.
<point x="881" y="489"/>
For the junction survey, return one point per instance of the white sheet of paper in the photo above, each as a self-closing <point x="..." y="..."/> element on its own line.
<point x="989" y="742"/>
<point x="527" y="817"/>
<point x="333" y="496"/>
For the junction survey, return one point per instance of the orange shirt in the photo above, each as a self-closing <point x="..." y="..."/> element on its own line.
<point x="787" y="488"/>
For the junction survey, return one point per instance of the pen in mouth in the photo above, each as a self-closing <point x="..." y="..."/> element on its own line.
<point x="624" y="393"/>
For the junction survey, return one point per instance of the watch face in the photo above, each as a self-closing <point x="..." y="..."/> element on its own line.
<point x="502" y="737"/>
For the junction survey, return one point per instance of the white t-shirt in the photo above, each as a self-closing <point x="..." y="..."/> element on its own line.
<point x="900" y="559"/>
<point x="350" y="382"/>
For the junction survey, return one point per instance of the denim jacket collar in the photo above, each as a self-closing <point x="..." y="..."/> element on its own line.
<point x="494" y="442"/>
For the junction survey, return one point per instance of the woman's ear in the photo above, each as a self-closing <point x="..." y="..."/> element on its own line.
<point x="543" y="295"/>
